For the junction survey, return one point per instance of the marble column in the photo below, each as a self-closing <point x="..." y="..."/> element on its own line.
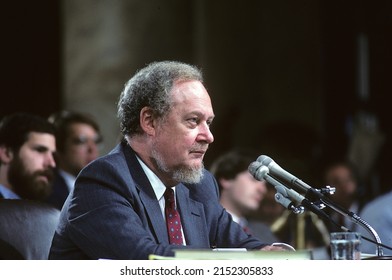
<point x="106" y="41"/>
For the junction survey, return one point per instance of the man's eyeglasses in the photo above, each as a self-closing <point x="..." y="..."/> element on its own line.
<point x="83" y="140"/>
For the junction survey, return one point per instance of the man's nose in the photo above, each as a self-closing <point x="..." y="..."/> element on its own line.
<point x="50" y="161"/>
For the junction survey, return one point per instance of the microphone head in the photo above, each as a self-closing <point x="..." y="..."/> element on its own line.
<point x="258" y="170"/>
<point x="253" y="167"/>
<point x="282" y="190"/>
<point x="265" y="160"/>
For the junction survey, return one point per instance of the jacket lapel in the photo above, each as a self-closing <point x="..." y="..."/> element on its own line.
<point x="155" y="215"/>
<point x="193" y="225"/>
<point x="147" y="195"/>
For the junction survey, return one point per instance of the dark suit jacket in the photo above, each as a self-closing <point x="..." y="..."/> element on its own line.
<point x="59" y="193"/>
<point x="113" y="213"/>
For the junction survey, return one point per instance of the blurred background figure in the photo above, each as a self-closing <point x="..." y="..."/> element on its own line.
<point x="342" y="176"/>
<point x="240" y="192"/>
<point x="270" y="210"/>
<point x="27" y="147"/>
<point x="378" y="214"/>
<point x="78" y="140"/>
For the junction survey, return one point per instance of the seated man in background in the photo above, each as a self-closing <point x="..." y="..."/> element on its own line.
<point x="78" y="138"/>
<point x="240" y="192"/>
<point x="341" y="175"/>
<point x="378" y="214"/>
<point x="27" y="147"/>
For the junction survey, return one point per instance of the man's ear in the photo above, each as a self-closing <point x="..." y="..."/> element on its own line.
<point x="6" y="154"/>
<point x="147" y="121"/>
<point x="225" y="183"/>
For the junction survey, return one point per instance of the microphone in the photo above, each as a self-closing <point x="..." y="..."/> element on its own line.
<point x="278" y="172"/>
<point x="282" y="196"/>
<point x="257" y="170"/>
<point x="264" y="165"/>
<point x="261" y="172"/>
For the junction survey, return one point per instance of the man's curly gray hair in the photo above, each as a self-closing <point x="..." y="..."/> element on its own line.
<point x="151" y="87"/>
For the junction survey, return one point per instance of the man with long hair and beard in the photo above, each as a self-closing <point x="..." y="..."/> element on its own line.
<point x="27" y="147"/>
<point x="151" y="194"/>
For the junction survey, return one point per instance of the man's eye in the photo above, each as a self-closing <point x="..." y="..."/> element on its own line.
<point x="194" y="120"/>
<point x="41" y="149"/>
<point x="79" y="141"/>
<point x="84" y="140"/>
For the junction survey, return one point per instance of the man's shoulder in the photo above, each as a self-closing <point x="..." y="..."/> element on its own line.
<point x="378" y="205"/>
<point x="115" y="162"/>
<point x="384" y="199"/>
<point x="115" y="156"/>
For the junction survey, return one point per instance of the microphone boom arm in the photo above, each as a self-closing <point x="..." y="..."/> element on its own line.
<point x="356" y="219"/>
<point x="318" y="195"/>
<point x="261" y="169"/>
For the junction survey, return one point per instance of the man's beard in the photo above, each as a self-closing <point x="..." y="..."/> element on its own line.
<point x="28" y="186"/>
<point x="184" y="174"/>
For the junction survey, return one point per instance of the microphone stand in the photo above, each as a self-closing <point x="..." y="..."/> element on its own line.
<point x="308" y="204"/>
<point x="314" y="200"/>
<point x="282" y="198"/>
<point x="318" y="194"/>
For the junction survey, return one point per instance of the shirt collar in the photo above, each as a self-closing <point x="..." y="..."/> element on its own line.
<point x="239" y="220"/>
<point x="156" y="183"/>
<point x="7" y="193"/>
<point x="68" y="178"/>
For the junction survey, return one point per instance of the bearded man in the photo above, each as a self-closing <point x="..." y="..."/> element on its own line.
<point x="27" y="147"/>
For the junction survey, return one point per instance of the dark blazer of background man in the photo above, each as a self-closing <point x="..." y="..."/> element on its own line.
<point x="77" y="139"/>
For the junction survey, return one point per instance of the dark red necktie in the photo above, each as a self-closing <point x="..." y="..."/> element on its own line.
<point x="244" y="224"/>
<point x="247" y="230"/>
<point x="173" y="221"/>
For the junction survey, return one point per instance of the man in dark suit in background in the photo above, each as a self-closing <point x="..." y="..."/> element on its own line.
<point x="78" y="138"/>
<point x="240" y="192"/>
<point x="118" y="208"/>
